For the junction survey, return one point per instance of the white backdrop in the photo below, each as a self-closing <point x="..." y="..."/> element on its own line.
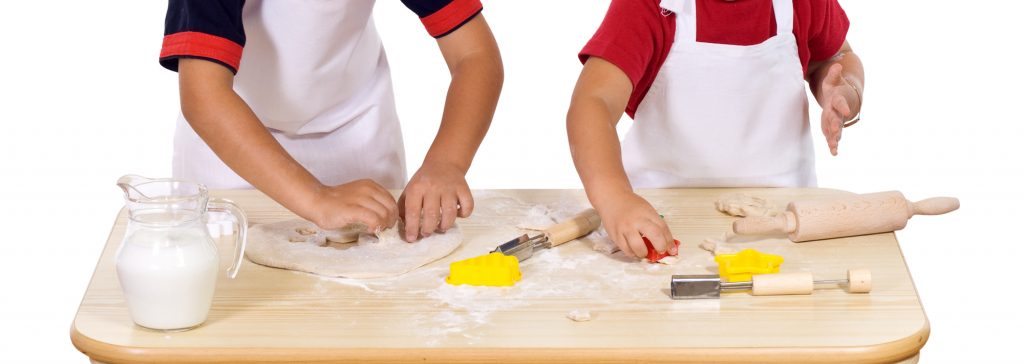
<point x="83" y="101"/>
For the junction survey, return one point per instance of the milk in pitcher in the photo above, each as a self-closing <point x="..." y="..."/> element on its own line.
<point x="168" y="276"/>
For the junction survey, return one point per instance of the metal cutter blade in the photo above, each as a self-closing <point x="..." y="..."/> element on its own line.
<point x="522" y="247"/>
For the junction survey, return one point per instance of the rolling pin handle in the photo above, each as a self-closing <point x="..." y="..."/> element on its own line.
<point x="580" y="225"/>
<point x="859" y="280"/>
<point x="935" y="206"/>
<point x="758" y="225"/>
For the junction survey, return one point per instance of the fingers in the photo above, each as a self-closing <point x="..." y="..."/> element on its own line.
<point x="449" y="211"/>
<point x="840" y="104"/>
<point x="374" y="215"/>
<point x="831" y="125"/>
<point x="431" y="213"/>
<point x="465" y="202"/>
<point x="835" y="74"/>
<point x="413" y="205"/>
<point x="387" y="201"/>
<point x="658" y="234"/>
<point x="634" y="244"/>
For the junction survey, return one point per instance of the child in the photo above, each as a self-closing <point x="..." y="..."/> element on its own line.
<point x="307" y="114"/>
<point x="716" y="91"/>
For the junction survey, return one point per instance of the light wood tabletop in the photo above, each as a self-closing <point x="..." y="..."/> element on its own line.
<point x="274" y="315"/>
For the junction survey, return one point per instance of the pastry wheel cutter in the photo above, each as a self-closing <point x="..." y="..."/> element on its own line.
<point x="523" y="246"/>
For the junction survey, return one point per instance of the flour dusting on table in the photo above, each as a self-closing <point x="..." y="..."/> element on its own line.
<point x="593" y="275"/>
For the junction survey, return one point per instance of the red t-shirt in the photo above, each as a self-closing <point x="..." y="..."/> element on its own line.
<point x="636" y="35"/>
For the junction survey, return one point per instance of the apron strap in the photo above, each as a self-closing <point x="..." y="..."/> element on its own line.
<point x="686" y="17"/>
<point x="783" y="16"/>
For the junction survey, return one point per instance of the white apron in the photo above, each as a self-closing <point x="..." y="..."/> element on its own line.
<point x="315" y="73"/>
<point x="723" y="115"/>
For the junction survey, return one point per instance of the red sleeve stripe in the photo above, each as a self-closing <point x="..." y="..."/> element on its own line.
<point x="202" y="45"/>
<point x="450" y="16"/>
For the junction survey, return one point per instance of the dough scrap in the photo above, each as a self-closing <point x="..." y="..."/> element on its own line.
<point x="739" y="204"/>
<point x="579" y="315"/>
<point x="601" y="242"/>
<point x="670" y="260"/>
<point x="384" y="255"/>
<point x="715" y="245"/>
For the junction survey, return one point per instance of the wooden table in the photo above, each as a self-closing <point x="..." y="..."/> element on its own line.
<point x="277" y="315"/>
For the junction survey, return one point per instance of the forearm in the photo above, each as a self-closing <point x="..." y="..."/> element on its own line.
<point x="234" y="133"/>
<point x="853" y="72"/>
<point x="469" y="107"/>
<point x="595" y="148"/>
<point x="474" y="62"/>
<point x="598" y="101"/>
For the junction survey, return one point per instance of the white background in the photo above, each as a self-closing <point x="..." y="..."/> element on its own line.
<point x="83" y="101"/>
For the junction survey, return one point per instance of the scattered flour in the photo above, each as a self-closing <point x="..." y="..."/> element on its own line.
<point x="601" y="276"/>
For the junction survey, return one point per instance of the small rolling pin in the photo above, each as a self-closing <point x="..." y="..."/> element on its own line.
<point x="845" y="216"/>
<point x="711" y="285"/>
<point x="580" y="225"/>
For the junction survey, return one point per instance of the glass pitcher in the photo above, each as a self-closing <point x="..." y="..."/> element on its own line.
<point x="167" y="263"/>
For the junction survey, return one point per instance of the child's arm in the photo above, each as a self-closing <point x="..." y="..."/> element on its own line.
<point x="224" y="121"/>
<point x="838" y="84"/>
<point x="601" y="94"/>
<point x="438" y="192"/>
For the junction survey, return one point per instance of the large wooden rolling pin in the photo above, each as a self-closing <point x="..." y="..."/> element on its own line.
<point x="845" y="216"/>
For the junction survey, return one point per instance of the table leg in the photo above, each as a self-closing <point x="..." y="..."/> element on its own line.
<point x="910" y="360"/>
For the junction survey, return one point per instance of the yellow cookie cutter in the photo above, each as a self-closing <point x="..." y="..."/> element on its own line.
<point x="740" y="266"/>
<point x="495" y="269"/>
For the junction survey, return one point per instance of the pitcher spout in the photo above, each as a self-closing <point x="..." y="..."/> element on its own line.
<point x="128" y="183"/>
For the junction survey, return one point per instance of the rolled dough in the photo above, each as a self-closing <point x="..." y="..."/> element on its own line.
<point x="300" y="245"/>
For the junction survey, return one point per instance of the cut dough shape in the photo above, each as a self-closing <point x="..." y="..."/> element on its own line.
<point x="384" y="255"/>
<point x="739" y="204"/>
<point x="579" y="315"/>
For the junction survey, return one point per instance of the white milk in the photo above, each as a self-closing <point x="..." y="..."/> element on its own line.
<point x="168" y="276"/>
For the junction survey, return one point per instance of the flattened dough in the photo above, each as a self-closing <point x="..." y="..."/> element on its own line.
<point x="289" y="245"/>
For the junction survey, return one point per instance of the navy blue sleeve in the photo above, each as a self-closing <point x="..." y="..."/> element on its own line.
<point x="207" y="29"/>
<point x="441" y="17"/>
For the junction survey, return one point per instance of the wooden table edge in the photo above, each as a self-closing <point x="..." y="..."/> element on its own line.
<point x="889" y="352"/>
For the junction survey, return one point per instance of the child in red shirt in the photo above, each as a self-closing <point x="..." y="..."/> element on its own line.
<point x="716" y="89"/>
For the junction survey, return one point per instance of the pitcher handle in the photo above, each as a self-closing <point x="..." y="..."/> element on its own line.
<point x="225" y="205"/>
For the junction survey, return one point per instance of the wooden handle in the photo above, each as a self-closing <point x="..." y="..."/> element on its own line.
<point x="935" y="206"/>
<point x="859" y="280"/>
<point x="760" y="225"/>
<point x="782" y="284"/>
<point x="579" y="225"/>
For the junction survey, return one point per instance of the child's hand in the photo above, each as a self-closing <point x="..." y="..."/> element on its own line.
<point x="837" y="95"/>
<point x="435" y="195"/>
<point x="359" y="202"/>
<point x="627" y="216"/>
